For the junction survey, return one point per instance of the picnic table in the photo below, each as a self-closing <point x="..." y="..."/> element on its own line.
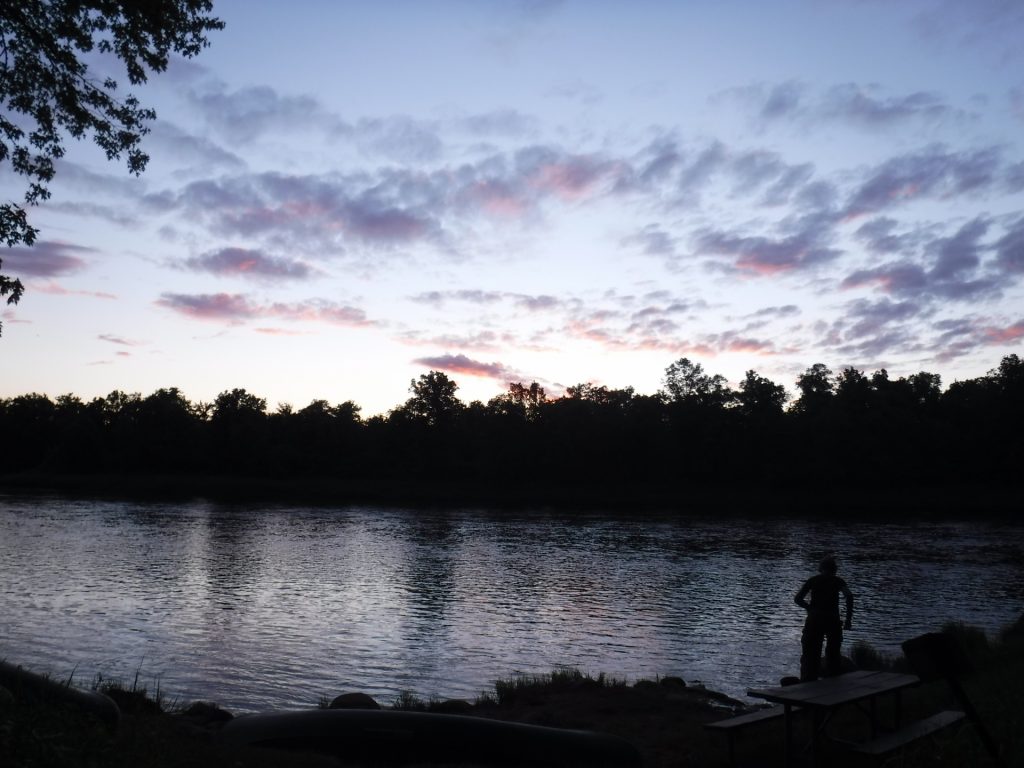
<point x="823" y="698"/>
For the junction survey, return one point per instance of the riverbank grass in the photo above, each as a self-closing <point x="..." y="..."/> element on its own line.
<point x="663" y="718"/>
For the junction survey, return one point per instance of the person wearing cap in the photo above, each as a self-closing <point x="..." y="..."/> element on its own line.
<point x="823" y="623"/>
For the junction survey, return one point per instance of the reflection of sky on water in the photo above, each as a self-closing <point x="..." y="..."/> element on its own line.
<point x="275" y="607"/>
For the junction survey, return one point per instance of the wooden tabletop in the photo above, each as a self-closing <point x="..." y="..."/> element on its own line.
<point x="834" y="691"/>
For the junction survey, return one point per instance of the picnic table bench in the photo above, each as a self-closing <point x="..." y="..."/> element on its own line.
<point x="938" y="656"/>
<point x="733" y="725"/>
<point x="891" y="743"/>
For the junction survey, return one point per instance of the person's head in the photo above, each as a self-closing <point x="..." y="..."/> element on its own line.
<point x="828" y="565"/>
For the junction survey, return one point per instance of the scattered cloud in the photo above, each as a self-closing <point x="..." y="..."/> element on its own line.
<point x="856" y="104"/>
<point x="1009" y="334"/>
<point x="892" y="229"/>
<point x="532" y="303"/>
<point x="872" y="317"/>
<point x="400" y="138"/>
<point x="469" y="367"/>
<point x="472" y="296"/>
<point x="935" y="172"/>
<point x="10" y="316"/>
<point x="1010" y="249"/>
<point x="119" y="340"/>
<point x="244" y="262"/>
<point x="238" y="308"/>
<point x="320" y="213"/>
<point x="56" y="289"/>
<point x="1015" y="178"/>
<point x="958" y="337"/>
<point x="652" y="240"/>
<point x="951" y="268"/>
<point x="499" y="123"/>
<point x="859" y="104"/>
<point x="247" y="114"/>
<point x="110" y="213"/>
<point x="481" y="341"/>
<point x="880" y="235"/>
<point x="279" y="332"/>
<point x="46" y="258"/>
<point x="782" y="100"/>
<point x="736" y="342"/>
<point x="763" y="256"/>
<point x="210" y="306"/>
<point x="788" y="310"/>
<point x="250" y="114"/>
<point x="199" y="152"/>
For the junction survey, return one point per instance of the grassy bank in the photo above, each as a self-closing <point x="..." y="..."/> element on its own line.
<point x="663" y="718"/>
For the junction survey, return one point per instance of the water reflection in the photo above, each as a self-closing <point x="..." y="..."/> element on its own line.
<point x="276" y="606"/>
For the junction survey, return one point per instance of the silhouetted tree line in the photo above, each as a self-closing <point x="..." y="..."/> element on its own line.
<point x="848" y="428"/>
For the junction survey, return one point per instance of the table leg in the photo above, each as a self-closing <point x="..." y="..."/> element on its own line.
<point x="788" y="747"/>
<point x="816" y="728"/>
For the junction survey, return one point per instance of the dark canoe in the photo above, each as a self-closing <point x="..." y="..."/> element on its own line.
<point x="31" y="687"/>
<point x="385" y="736"/>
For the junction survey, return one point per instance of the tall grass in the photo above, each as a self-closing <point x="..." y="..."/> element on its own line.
<point x="135" y="698"/>
<point x="515" y="688"/>
<point x="864" y="656"/>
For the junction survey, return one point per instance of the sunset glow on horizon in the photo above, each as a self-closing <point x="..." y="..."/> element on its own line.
<point x="343" y="196"/>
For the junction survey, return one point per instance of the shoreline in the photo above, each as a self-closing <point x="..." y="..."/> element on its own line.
<point x="614" y="496"/>
<point x="654" y="718"/>
<point x="662" y="720"/>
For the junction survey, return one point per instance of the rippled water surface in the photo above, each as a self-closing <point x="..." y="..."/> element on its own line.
<point x="276" y="606"/>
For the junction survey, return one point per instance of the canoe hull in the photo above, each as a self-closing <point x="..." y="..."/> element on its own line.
<point x="387" y="736"/>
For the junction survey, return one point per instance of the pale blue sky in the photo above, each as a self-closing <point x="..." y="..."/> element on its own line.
<point x="342" y="196"/>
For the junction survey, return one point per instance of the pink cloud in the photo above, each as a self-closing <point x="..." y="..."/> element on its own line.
<point x="572" y="178"/>
<point x="675" y="347"/>
<point x="496" y="198"/>
<point x="56" y="289"/>
<point x="755" y="262"/>
<point x="209" y="306"/>
<point x="583" y="329"/>
<point x="278" y="332"/>
<point x="318" y="311"/>
<point x="469" y="367"/>
<point x="767" y="256"/>
<point x="1007" y="335"/>
<point x="9" y="317"/>
<point x="752" y="346"/>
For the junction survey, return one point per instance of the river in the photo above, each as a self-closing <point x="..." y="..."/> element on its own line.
<point x="265" y="607"/>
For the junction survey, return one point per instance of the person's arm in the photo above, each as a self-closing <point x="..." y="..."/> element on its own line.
<point x="848" y="624"/>
<point x="802" y="595"/>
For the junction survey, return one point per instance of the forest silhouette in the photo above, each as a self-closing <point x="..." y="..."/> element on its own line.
<point x="848" y="429"/>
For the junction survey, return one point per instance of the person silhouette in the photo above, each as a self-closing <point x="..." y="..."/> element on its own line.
<point x="823" y="622"/>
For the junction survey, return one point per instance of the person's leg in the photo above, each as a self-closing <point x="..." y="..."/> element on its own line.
<point x="810" y="646"/>
<point x="833" y="645"/>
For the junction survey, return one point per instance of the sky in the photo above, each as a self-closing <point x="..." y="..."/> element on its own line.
<point x="342" y="196"/>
